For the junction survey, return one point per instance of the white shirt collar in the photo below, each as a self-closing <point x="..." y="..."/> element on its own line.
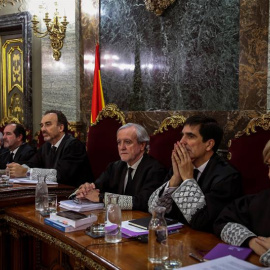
<point x="136" y="164"/>
<point x="58" y="143"/>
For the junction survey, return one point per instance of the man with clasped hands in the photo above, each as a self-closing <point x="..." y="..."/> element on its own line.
<point x="198" y="201"/>
<point x="61" y="158"/>
<point x="146" y="173"/>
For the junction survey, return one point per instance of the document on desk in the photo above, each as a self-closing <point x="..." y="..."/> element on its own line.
<point x="224" y="263"/>
<point x="28" y="181"/>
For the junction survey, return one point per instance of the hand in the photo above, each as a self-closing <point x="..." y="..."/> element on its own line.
<point x="257" y="247"/>
<point x="93" y="195"/>
<point x="84" y="189"/>
<point x="184" y="163"/>
<point x="176" y="179"/>
<point x="16" y="170"/>
<point x="263" y="242"/>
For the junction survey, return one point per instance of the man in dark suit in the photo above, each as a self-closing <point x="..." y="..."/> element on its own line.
<point x="17" y="150"/>
<point x="134" y="177"/>
<point x="200" y="183"/>
<point x="61" y="153"/>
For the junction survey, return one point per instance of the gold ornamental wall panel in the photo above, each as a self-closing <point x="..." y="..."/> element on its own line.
<point x="12" y="79"/>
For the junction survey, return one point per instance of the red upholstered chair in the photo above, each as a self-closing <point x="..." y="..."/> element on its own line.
<point x="163" y="139"/>
<point x="245" y="154"/>
<point x="101" y="138"/>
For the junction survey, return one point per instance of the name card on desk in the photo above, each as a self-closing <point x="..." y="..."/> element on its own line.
<point x="222" y="250"/>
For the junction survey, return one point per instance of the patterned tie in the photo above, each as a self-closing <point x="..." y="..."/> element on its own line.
<point x="195" y="173"/>
<point x="128" y="190"/>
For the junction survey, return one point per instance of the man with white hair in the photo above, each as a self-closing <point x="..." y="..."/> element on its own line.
<point x="134" y="177"/>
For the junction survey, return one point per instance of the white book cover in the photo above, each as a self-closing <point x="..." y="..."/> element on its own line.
<point x="71" y="218"/>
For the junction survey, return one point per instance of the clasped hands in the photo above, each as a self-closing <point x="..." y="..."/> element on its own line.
<point x="181" y="164"/>
<point x="16" y="170"/>
<point x="88" y="191"/>
<point x="260" y="244"/>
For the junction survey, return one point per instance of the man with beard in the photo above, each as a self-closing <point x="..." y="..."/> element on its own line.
<point x="200" y="183"/>
<point x="16" y="148"/>
<point x="61" y="157"/>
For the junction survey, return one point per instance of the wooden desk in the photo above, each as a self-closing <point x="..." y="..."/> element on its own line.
<point x="79" y="251"/>
<point x="22" y="193"/>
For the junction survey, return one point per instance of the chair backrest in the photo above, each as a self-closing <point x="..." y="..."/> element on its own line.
<point x="163" y="139"/>
<point x="245" y="154"/>
<point x="101" y="138"/>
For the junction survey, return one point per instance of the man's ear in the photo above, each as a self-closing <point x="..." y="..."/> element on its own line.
<point x="61" y="126"/>
<point x="210" y="144"/>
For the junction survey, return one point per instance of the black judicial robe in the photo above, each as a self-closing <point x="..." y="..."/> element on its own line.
<point x="252" y="211"/>
<point x="23" y="155"/>
<point x="149" y="176"/>
<point x="218" y="185"/>
<point x="70" y="161"/>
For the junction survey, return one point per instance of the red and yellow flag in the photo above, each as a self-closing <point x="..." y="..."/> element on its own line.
<point x="97" y="96"/>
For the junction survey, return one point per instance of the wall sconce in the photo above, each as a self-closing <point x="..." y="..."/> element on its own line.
<point x="158" y="6"/>
<point x="55" y="29"/>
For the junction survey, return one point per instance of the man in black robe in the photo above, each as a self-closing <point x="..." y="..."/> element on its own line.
<point x="246" y="221"/>
<point x="62" y="157"/>
<point x="200" y="183"/>
<point x="134" y="177"/>
<point x="16" y="148"/>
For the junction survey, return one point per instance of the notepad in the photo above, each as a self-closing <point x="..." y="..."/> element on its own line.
<point x="222" y="250"/>
<point x="144" y="222"/>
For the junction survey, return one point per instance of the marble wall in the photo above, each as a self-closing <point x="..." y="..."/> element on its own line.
<point x="199" y="57"/>
<point x="186" y="59"/>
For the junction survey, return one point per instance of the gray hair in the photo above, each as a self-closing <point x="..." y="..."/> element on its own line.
<point x="142" y="135"/>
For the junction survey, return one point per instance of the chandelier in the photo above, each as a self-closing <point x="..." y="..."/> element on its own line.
<point x="55" y="29"/>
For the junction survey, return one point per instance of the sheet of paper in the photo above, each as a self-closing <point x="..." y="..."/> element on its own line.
<point x="27" y="181"/>
<point x="224" y="263"/>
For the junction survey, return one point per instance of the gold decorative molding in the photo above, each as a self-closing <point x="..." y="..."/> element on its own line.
<point x="3" y="3"/>
<point x="111" y="110"/>
<point x="9" y="119"/>
<point x="43" y="236"/>
<point x="173" y="121"/>
<point x="158" y="6"/>
<point x="262" y="121"/>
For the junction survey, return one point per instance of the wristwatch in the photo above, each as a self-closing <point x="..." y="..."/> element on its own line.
<point x="101" y="197"/>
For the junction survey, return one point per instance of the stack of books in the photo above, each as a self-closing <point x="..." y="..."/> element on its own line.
<point x="70" y="221"/>
<point x="82" y="206"/>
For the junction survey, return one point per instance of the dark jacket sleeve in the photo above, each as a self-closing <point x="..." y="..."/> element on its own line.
<point x="73" y="167"/>
<point x="151" y="178"/>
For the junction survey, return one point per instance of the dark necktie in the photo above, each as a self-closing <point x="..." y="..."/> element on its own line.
<point x="128" y="190"/>
<point x="10" y="160"/>
<point x="52" y="155"/>
<point x="195" y="174"/>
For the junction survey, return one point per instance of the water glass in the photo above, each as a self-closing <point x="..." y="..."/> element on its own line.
<point x="4" y="177"/>
<point x="175" y="253"/>
<point x="50" y="203"/>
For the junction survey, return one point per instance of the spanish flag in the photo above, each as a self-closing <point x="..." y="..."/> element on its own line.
<point x="97" y="96"/>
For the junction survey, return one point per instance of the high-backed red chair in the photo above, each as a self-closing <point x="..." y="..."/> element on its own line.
<point x="245" y="154"/>
<point x="101" y="138"/>
<point x="163" y="139"/>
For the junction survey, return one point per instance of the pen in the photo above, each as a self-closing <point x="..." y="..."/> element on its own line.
<point x="196" y="257"/>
